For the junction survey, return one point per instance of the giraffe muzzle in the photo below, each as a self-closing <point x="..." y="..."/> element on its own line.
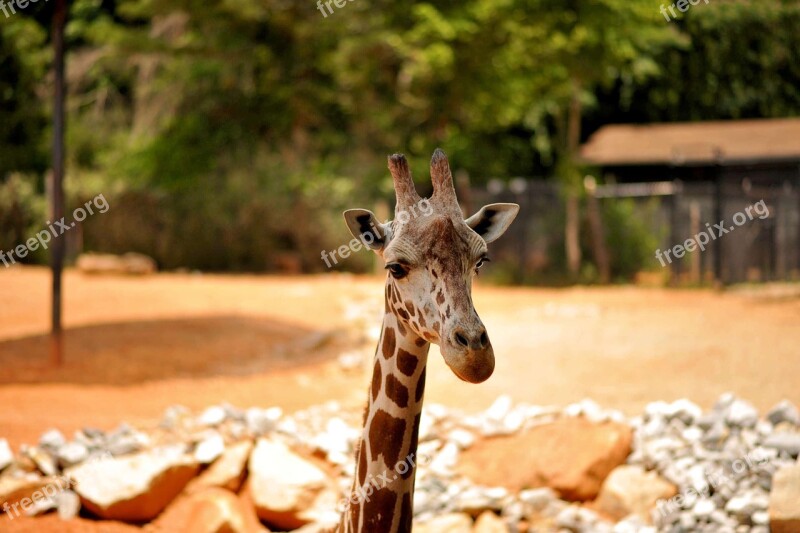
<point x="470" y="365"/>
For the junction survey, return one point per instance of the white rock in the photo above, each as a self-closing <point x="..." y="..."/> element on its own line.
<point x="513" y="421"/>
<point x="52" y="439"/>
<point x="262" y="421"/>
<point x="288" y="490"/>
<point x="6" y="455"/>
<point x="500" y="408"/>
<point x="213" y="416"/>
<point x="784" y="411"/>
<point x="444" y="462"/>
<point x="784" y="442"/>
<point x="744" y="505"/>
<point x="41" y="504"/>
<point x="629" y="489"/>
<point x="209" y="449"/>
<point x="688" y="521"/>
<point x="69" y="504"/>
<point x="760" y="518"/>
<point x="174" y="417"/>
<point x="227" y="472"/>
<point x="784" y="502"/>
<point x="684" y="410"/>
<point x="742" y="414"/>
<point x="463" y="438"/>
<point x="537" y="500"/>
<point x="41" y="458"/>
<point x="703" y="508"/>
<point x="576" y="518"/>
<point x="133" y="488"/>
<point x="72" y="453"/>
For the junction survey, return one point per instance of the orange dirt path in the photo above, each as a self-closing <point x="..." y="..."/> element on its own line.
<point x="134" y="346"/>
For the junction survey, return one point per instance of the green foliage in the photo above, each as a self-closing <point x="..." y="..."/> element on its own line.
<point x="743" y="62"/>
<point x="227" y="135"/>
<point x="22" y="213"/>
<point x="22" y="121"/>
<point x="629" y="238"/>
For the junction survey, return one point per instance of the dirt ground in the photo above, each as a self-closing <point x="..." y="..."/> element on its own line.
<point x="134" y="346"/>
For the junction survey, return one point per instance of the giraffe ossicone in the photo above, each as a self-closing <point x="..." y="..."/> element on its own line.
<point x="431" y="262"/>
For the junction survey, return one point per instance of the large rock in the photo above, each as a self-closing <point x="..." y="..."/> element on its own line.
<point x="288" y="490"/>
<point x="446" y="523"/>
<point x="784" y="500"/>
<point x="227" y="472"/>
<point x="134" y="488"/>
<point x="129" y="263"/>
<point x="6" y="455"/>
<point x="571" y="456"/>
<point x="211" y="510"/>
<point x="21" y="487"/>
<point x="632" y="490"/>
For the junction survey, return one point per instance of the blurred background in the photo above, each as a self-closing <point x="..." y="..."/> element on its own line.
<point x="228" y="136"/>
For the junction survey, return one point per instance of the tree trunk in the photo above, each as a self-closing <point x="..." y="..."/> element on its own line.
<point x="599" y="246"/>
<point x="572" y="237"/>
<point x="57" y="187"/>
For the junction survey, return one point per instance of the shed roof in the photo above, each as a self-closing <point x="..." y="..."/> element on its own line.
<point x="694" y="143"/>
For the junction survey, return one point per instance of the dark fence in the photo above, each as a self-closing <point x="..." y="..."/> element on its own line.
<point x="748" y="232"/>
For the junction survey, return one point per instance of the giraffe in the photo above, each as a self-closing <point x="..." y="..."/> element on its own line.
<point x="431" y="261"/>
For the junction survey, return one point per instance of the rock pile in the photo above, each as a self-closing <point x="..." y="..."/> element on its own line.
<point x="130" y="264"/>
<point x="511" y="468"/>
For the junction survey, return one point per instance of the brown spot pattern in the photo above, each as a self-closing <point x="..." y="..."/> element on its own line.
<point x="402" y="313"/>
<point x="396" y="391"/>
<point x="389" y="343"/>
<point x="410" y="307"/>
<point x="406" y="362"/>
<point x="420" y="342"/>
<point x="355" y="514"/>
<point x="412" y="447"/>
<point x="362" y="463"/>
<point x="379" y="510"/>
<point x="440" y="298"/>
<point x="384" y="431"/>
<point x="420" y="385"/>
<point x="376" y="380"/>
<point x="406" y="514"/>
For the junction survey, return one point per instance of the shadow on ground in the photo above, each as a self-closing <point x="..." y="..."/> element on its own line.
<point x="135" y="352"/>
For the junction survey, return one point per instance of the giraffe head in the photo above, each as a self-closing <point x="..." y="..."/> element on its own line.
<point x="432" y="254"/>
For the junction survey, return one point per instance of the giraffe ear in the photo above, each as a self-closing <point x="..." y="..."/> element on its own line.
<point x="365" y="227"/>
<point x="493" y="220"/>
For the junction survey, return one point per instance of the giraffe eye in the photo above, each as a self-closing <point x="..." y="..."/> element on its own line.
<point x="397" y="270"/>
<point x="481" y="261"/>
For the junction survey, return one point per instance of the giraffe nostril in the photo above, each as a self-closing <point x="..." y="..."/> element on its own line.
<point x="484" y="339"/>
<point x="461" y="339"/>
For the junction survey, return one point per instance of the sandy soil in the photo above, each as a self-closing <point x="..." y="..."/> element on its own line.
<point x="134" y="346"/>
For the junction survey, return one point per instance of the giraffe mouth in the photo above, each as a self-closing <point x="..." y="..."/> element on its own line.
<point x="472" y="367"/>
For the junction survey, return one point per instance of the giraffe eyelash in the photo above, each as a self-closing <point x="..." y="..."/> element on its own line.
<point x="397" y="270"/>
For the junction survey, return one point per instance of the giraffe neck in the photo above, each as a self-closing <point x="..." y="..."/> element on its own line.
<point x="383" y="490"/>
